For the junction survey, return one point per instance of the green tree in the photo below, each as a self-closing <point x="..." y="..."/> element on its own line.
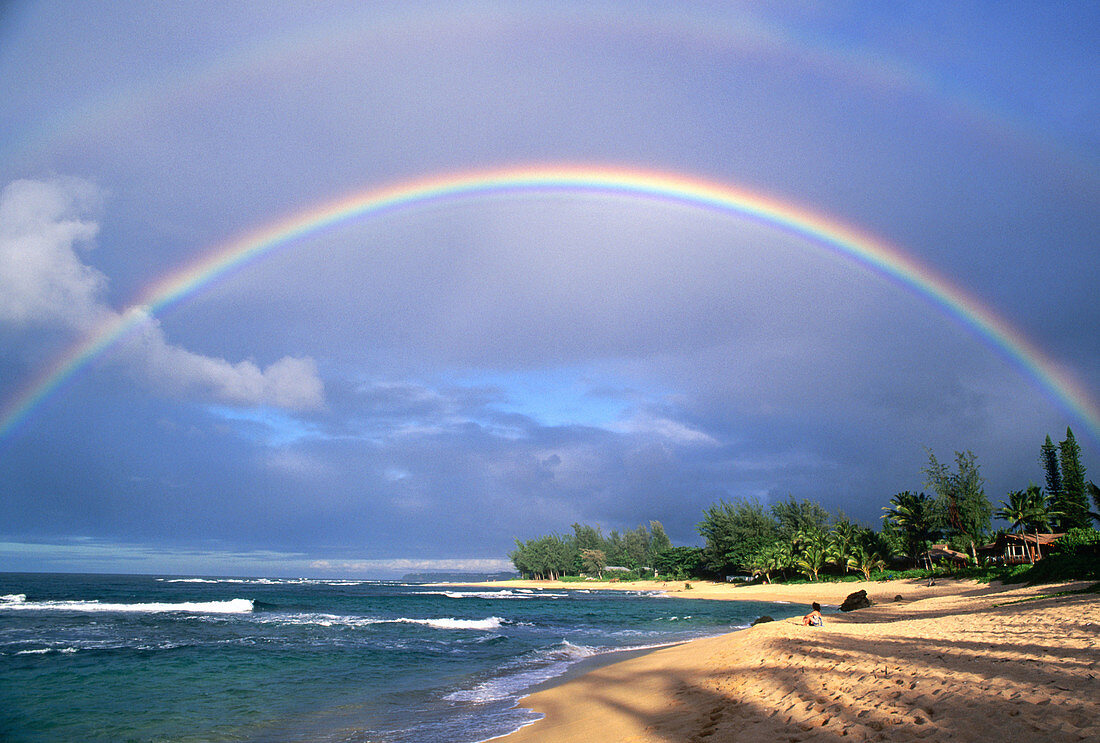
<point x="1048" y="457"/>
<point x="594" y="561"/>
<point x="793" y="516"/>
<point x="914" y="517"/>
<point x="777" y="557"/>
<point x="658" y="541"/>
<point x="587" y="537"/>
<point x="546" y="557"/>
<point x="1095" y="492"/>
<point x="842" y="539"/>
<point x="865" y="560"/>
<point x="615" y="547"/>
<point x="761" y="565"/>
<point x="1074" y="504"/>
<point x="635" y="548"/>
<point x="734" y="532"/>
<point x="812" y="547"/>
<point x="678" y="563"/>
<point x="1027" y="510"/>
<point x="961" y="502"/>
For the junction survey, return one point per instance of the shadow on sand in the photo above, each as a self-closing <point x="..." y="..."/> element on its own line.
<point x="1013" y="671"/>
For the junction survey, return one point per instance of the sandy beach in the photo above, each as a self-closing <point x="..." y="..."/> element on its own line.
<point x="959" y="661"/>
<point x="798" y="593"/>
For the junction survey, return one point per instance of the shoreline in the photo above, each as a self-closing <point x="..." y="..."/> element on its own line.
<point x="961" y="662"/>
<point x="826" y="593"/>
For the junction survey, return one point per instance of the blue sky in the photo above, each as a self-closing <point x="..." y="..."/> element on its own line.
<point x="416" y="391"/>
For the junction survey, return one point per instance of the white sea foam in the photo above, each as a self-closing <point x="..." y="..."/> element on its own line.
<point x="531" y="670"/>
<point x="14" y="598"/>
<point x="315" y="619"/>
<point x="193" y="580"/>
<point x="232" y="606"/>
<point x="43" y="651"/>
<point x="452" y="623"/>
<point x="335" y="620"/>
<point x="535" y="668"/>
<point x="504" y="594"/>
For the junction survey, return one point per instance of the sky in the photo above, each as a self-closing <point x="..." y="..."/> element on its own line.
<point x="898" y="255"/>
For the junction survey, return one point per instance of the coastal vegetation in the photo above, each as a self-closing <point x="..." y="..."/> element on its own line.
<point x="587" y="550"/>
<point x="793" y="540"/>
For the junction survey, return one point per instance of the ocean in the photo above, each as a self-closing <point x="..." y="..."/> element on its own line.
<point x="171" y="658"/>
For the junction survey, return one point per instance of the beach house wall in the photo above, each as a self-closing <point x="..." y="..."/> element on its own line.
<point x="1017" y="549"/>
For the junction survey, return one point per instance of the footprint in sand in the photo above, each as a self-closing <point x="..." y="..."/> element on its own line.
<point x="711" y="723"/>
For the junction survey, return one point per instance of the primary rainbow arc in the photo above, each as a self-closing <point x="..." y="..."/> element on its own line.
<point x="825" y="233"/>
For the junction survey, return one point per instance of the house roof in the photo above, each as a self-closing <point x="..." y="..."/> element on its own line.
<point x="1002" y="539"/>
<point x="943" y="551"/>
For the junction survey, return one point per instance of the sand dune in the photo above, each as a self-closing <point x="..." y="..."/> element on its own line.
<point x="956" y="662"/>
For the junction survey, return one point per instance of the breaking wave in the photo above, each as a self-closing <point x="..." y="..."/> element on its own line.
<point x="336" y="620"/>
<point x="18" y="602"/>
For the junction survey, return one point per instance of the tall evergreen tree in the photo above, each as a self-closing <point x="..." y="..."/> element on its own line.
<point x="1075" y="503"/>
<point x="1048" y="457"/>
<point x="658" y="540"/>
<point x="793" y="516"/>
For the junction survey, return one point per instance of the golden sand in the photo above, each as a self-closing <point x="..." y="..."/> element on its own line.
<point x="958" y="661"/>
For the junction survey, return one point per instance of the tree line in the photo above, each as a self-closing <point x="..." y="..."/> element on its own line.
<point x="795" y="537"/>
<point x="588" y="551"/>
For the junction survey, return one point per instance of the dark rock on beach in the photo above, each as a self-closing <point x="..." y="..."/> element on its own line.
<point x="857" y="600"/>
<point x="761" y="620"/>
<point x="898" y="598"/>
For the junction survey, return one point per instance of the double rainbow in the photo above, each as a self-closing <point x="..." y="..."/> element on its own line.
<point x="824" y="233"/>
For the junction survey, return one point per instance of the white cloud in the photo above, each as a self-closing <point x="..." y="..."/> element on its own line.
<point x="665" y="428"/>
<point x="287" y="383"/>
<point x="44" y="283"/>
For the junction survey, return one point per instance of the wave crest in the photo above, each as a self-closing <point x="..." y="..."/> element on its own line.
<point x="231" y="606"/>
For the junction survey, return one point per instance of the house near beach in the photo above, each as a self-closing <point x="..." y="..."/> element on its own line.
<point x="1017" y="549"/>
<point x="941" y="553"/>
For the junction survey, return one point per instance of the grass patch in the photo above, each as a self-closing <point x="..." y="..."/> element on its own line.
<point x="1094" y="588"/>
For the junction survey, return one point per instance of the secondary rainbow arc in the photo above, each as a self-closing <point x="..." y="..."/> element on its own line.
<point x="847" y="241"/>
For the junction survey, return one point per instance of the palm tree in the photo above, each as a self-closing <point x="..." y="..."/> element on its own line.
<point x="914" y="514"/>
<point x="865" y="561"/>
<point x="811" y="558"/>
<point x="782" y="556"/>
<point x="762" y="563"/>
<point x="1028" y="509"/>
<point x="841" y="539"/>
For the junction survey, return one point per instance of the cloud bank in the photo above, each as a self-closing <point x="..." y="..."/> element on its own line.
<point x="44" y="284"/>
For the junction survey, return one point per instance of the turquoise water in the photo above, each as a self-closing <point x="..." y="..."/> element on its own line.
<point x="147" y="658"/>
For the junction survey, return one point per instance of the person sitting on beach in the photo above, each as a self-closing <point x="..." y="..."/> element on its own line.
<point x="814" y="617"/>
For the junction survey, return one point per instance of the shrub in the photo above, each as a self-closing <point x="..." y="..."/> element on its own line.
<point x="1079" y="541"/>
